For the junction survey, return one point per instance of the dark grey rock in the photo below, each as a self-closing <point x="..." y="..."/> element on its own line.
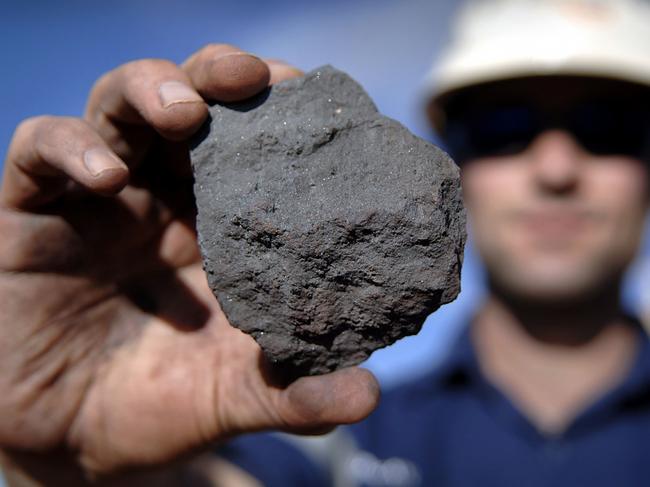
<point x="327" y="230"/>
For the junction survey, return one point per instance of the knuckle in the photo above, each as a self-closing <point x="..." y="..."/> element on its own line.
<point x="147" y="68"/>
<point x="101" y="84"/>
<point x="13" y="250"/>
<point x="55" y="133"/>
<point x="26" y="249"/>
<point x="31" y="126"/>
<point x="48" y="137"/>
<point x="40" y="132"/>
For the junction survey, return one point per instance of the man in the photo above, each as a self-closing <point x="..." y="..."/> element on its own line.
<point x="546" y="107"/>
<point x="104" y="351"/>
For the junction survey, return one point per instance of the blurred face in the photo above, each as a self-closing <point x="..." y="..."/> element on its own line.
<point x="552" y="220"/>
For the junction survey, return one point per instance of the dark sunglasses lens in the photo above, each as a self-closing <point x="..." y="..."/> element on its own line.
<point x="610" y="128"/>
<point x="492" y="132"/>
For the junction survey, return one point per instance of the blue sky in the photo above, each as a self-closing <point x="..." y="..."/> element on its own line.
<point x="53" y="51"/>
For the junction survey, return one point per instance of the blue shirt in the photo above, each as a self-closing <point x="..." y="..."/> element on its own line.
<point x="454" y="428"/>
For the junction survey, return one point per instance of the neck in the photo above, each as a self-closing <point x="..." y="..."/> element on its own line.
<point x="553" y="361"/>
<point x="572" y="322"/>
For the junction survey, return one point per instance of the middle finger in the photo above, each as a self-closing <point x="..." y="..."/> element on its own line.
<point x="128" y="105"/>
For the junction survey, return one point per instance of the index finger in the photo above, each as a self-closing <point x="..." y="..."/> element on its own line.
<point x="132" y="101"/>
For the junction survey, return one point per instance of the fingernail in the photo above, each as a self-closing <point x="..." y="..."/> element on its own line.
<point x="99" y="160"/>
<point x="173" y="92"/>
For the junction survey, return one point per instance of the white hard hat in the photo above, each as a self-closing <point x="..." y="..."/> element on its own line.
<point x="502" y="39"/>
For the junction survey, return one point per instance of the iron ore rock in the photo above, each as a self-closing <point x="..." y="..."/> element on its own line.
<point x="327" y="230"/>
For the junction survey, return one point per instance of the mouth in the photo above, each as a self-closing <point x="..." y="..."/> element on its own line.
<point x="558" y="223"/>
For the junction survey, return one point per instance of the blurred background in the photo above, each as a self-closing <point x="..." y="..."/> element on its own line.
<point x="53" y="51"/>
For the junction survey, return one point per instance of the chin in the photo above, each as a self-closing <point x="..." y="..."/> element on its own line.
<point x="555" y="287"/>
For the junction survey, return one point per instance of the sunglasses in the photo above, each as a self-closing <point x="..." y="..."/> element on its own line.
<point x="602" y="127"/>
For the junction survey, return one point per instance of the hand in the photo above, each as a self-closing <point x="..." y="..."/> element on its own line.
<point x="114" y="353"/>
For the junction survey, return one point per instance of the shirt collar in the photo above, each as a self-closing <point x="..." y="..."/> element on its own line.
<point x="461" y="366"/>
<point x="637" y="383"/>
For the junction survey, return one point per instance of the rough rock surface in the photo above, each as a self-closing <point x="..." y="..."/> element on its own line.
<point x="327" y="230"/>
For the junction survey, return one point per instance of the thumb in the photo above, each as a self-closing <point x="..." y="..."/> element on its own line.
<point x="316" y="404"/>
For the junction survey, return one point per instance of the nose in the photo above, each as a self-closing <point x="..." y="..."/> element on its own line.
<point x="556" y="160"/>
